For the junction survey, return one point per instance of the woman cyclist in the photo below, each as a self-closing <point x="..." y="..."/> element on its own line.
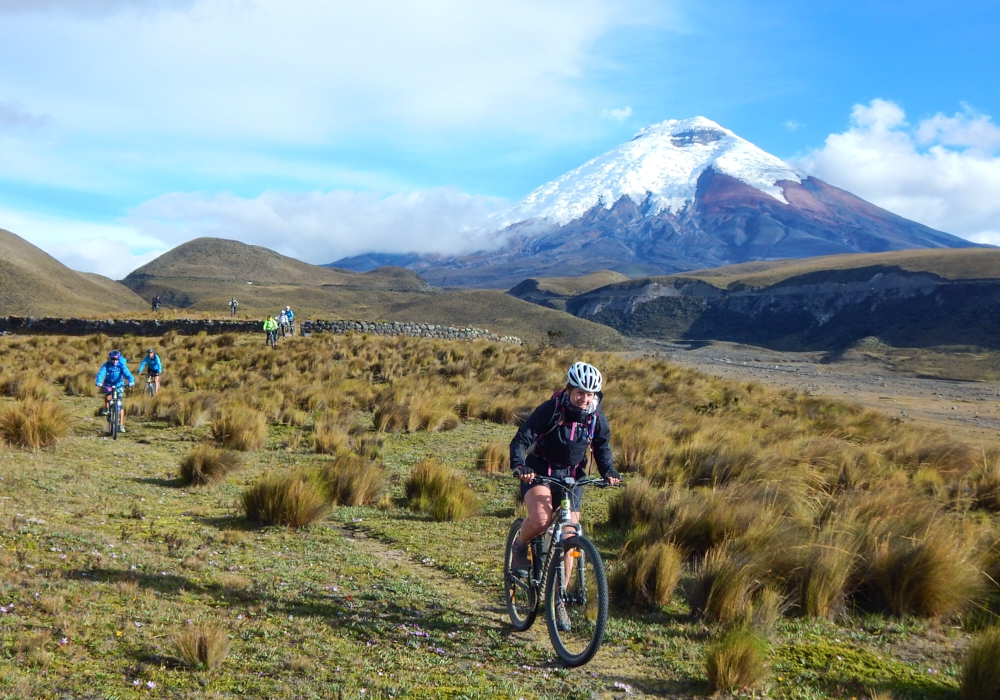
<point x="154" y="365"/>
<point x="554" y="441"/>
<point x="113" y="374"/>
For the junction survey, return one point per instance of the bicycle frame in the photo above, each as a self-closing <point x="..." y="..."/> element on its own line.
<point x="554" y="535"/>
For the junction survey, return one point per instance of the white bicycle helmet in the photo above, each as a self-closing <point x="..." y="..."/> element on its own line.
<point x="584" y="376"/>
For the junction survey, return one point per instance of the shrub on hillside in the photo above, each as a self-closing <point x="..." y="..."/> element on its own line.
<point x="439" y="492"/>
<point x="351" y="480"/>
<point x="240" y="428"/>
<point x="207" y="464"/>
<point x="284" y="499"/>
<point x="980" y="674"/>
<point x="33" y="424"/>
<point x="494" y="458"/>
<point x="737" y="661"/>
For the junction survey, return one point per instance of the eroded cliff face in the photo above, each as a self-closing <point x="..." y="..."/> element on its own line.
<point x="822" y="310"/>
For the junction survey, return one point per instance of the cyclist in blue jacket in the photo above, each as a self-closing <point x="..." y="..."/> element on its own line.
<point x="113" y="374"/>
<point x="154" y="365"/>
<point x="290" y="315"/>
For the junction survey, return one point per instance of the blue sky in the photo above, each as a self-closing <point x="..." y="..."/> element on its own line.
<point x="323" y="129"/>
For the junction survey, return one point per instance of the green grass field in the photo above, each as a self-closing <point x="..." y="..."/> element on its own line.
<point x="107" y="559"/>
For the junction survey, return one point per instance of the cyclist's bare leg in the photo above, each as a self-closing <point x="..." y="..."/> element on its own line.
<point x="156" y="384"/>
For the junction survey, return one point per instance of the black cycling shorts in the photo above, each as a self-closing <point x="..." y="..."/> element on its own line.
<point x="575" y="495"/>
<point x="153" y="373"/>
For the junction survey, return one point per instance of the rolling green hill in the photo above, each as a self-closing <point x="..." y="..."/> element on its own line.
<point x="204" y="274"/>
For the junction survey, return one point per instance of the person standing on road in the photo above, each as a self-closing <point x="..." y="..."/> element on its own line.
<point x="152" y="363"/>
<point x="232" y="307"/>
<point x="113" y="375"/>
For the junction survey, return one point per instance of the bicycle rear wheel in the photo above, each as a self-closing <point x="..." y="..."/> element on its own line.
<point x="585" y="598"/>
<point x="519" y="594"/>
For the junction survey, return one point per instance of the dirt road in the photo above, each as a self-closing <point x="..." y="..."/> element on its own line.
<point x="969" y="410"/>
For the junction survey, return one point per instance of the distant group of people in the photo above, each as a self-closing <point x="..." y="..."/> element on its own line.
<point x="156" y="303"/>
<point x="283" y="322"/>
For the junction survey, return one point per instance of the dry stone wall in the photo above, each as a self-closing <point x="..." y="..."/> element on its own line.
<point x="30" y="325"/>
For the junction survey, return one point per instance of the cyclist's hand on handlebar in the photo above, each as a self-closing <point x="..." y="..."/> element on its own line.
<point x="613" y="477"/>
<point x="524" y="474"/>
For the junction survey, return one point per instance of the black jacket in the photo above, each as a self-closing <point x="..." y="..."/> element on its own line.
<point x="565" y="446"/>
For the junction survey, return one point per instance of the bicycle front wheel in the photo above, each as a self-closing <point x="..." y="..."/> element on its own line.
<point x="113" y="418"/>
<point x="519" y="594"/>
<point x="576" y="584"/>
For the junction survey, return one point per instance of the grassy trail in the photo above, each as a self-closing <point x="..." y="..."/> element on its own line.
<point x="483" y="604"/>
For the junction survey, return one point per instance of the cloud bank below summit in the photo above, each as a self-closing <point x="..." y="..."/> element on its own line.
<point x="323" y="227"/>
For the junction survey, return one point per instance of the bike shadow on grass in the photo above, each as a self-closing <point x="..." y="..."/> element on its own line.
<point x="172" y="483"/>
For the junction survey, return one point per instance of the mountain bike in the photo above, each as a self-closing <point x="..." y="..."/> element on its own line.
<point x="567" y="568"/>
<point x="150" y="388"/>
<point x="114" y="405"/>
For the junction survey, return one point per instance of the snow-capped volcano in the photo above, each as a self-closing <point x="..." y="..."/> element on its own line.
<point x="658" y="169"/>
<point x="680" y="195"/>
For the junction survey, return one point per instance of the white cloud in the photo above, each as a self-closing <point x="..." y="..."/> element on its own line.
<point x="791" y="125"/>
<point x="303" y="70"/>
<point x="944" y="172"/>
<point x="619" y="114"/>
<point x="112" y="250"/>
<point x="322" y="227"/>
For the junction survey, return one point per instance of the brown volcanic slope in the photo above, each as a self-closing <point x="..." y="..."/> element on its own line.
<point x="552" y="292"/>
<point x="33" y="283"/>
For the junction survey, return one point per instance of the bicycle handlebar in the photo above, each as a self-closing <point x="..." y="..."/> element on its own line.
<point x="570" y="482"/>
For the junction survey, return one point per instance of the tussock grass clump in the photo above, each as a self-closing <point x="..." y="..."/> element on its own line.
<point x="25" y="386"/>
<point x="191" y="410"/>
<point x="930" y="576"/>
<point x="638" y="504"/>
<point x="284" y="499"/>
<point x="737" y="661"/>
<point x="79" y="384"/>
<point x="825" y="577"/>
<point x="206" y="464"/>
<point x="651" y="574"/>
<point x="494" y="458"/>
<point x="329" y="436"/>
<point x="980" y="674"/>
<point x="723" y="586"/>
<point x="986" y="485"/>
<point x="202" y="647"/>
<point x="440" y="492"/>
<point x="33" y="424"/>
<point x="351" y="480"/>
<point x="240" y="428"/>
